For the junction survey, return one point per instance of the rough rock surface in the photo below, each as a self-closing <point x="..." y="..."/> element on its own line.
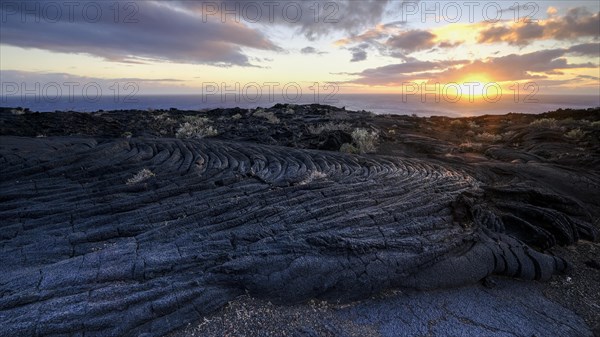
<point x="511" y="308"/>
<point x="84" y="252"/>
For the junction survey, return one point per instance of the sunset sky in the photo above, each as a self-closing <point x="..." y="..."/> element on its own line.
<point x="174" y="47"/>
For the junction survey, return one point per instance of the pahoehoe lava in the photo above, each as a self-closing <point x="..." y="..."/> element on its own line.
<point x="85" y="253"/>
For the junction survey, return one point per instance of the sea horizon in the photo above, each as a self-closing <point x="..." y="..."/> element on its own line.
<point x="377" y="103"/>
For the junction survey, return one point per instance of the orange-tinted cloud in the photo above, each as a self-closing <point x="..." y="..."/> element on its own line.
<point x="531" y="66"/>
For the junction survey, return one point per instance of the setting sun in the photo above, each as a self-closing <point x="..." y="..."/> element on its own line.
<point x="476" y="85"/>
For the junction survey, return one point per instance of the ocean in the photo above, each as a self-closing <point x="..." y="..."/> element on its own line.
<point x="377" y="103"/>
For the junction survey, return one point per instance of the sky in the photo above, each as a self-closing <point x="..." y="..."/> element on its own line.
<point x="367" y="46"/>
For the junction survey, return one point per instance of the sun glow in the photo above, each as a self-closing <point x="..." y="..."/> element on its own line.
<point x="475" y="84"/>
<point x="472" y="87"/>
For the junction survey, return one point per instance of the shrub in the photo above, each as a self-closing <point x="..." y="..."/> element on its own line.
<point x="575" y="134"/>
<point x="508" y="135"/>
<point x="545" y="123"/>
<point x="126" y="134"/>
<point x="595" y="124"/>
<point x="469" y="146"/>
<point x="163" y="118"/>
<point x="330" y="126"/>
<point x="487" y="137"/>
<point x="348" y="148"/>
<point x="140" y="176"/>
<point x="365" y="141"/>
<point x="269" y="116"/>
<point x="457" y="123"/>
<point x="314" y="175"/>
<point x="473" y="125"/>
<point x="196" y="127"/>
<point x="236" y="116"/>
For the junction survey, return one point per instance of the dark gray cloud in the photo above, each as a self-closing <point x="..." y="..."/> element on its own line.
<point x="586" y="49"/>
<point x="146" y="30"/>
<point x="389" y="40"/>
<point x="577" y="23"/>
<point x="411" y="41"/>
<point x="313" y="19"/>
<point x="358" y="54"/>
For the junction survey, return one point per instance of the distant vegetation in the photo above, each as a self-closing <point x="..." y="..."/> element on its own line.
<point x="329" y="126"/>
<point x="487" y="137"/>
<point x="575" y="134"/>
<point x="269" y="116"/>
<point x="545" y="123"/>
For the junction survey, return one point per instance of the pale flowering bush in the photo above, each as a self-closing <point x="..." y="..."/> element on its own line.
<point x="487" y="137"/>
<point x="269" y="116"/>
<point x="575" y="134"/>
<point x="196" y="127"/>
<point x="545" y="123"/>
<point x="365" y="141"/>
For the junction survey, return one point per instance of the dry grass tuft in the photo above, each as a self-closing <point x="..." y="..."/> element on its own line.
<point x="142" y="175"/>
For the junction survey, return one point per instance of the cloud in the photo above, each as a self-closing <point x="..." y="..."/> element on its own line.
<point x="358" y="54"/>
<point x="157" y="32"/>
<point x="70" y="84"/>
<point x="396" y="74"/>
<point x="516" y="67"/>
<point x="378" y="32"/>
<point x="589" y="77"/>
<point x="391" y="40"/>
<point x="531" y="66"/>
<point x="313" y="19"/>
<point x="577" y="23"/>
<point x="311" y="50"/>
<point x="411" y="41"/>
<point x="586" y="49"/>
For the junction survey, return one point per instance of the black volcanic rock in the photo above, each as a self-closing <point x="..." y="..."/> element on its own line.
<point x="87" y="251"/>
